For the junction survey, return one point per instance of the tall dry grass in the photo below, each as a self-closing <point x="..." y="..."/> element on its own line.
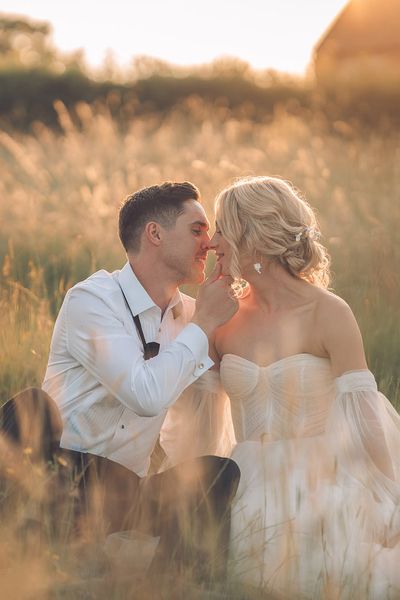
<point x="59" y="198"/>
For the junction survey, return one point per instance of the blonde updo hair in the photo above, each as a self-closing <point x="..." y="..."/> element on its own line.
<point x="267" y="217"/>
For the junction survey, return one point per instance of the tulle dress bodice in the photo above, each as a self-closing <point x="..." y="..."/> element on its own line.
<point x="290" y="398"/>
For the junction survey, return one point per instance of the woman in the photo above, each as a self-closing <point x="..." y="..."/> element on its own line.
<point x="316" y="514"/>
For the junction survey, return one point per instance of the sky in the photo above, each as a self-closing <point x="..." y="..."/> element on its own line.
<point x="277" y="34"/>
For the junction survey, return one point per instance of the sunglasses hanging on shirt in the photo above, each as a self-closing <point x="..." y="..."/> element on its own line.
<point x="150" y="349"/>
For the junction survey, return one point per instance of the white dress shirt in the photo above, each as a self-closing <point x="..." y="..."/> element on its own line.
<point x="111" y="400"/>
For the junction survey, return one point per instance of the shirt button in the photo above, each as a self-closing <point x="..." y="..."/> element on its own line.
<point x="201" y="366"/>
<point x="122" y="426"/>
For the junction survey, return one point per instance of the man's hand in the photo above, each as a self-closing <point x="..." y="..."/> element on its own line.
<point x="215" y="304"/>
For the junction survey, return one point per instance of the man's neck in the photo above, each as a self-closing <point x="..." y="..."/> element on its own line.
<point x="160" y="290"/>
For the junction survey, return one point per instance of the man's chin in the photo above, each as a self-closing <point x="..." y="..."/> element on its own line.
<point x="196" y="278"/>
<point x="199" y="278"/>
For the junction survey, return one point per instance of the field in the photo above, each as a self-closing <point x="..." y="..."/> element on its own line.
<point x="59" y="197"/>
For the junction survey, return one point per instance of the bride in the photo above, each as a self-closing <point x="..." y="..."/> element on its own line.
<point x="317" y="510"/>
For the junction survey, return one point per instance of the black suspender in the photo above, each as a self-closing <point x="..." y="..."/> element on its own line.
<point x="150" y="349"/>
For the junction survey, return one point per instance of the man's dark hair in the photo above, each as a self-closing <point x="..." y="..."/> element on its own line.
<point x="161" y="203"/>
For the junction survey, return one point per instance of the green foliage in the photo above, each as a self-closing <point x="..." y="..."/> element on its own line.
<point x="28" y="95"/>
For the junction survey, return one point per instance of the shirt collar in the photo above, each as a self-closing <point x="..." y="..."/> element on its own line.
<point x="137" y="297"/>
<point x="176" y="304"/>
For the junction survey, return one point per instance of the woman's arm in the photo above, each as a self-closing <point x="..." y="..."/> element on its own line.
<point x="343" y="342"/>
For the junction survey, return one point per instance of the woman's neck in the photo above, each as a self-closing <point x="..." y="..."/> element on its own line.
<point x="276" y="289"/>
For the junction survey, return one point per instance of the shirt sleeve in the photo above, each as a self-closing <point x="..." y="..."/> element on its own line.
<point x="97" y="338"/>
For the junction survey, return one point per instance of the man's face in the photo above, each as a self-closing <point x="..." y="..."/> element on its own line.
<point x="185" y="246"/>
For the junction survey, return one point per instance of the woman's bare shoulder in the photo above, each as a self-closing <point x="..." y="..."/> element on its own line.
<point x="329" y="304"/>
<point x="340" y="333"/>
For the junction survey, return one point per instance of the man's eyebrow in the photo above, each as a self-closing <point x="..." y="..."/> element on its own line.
<point x="201" y="224"/>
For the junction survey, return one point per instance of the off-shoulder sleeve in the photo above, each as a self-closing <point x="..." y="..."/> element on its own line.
<point x="199" y="423"/>
<point x="365" y="433"/>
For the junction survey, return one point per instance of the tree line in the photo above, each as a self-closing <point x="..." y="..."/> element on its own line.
<point x="34" y="75"/>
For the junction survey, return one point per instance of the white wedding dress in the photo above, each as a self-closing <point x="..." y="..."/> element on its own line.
<point x="319" y="492"/>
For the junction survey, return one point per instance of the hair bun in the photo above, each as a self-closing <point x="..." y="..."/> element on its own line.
<point x="267" y="216"/>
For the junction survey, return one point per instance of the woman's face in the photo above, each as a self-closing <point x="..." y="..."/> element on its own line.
<point x="222" y="250"/>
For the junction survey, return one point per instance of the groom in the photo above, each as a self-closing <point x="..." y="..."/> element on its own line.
<point x="125" y="346"/>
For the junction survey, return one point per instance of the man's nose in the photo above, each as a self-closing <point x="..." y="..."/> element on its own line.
<point x="205" y="243"/>
<point x="212" y="243"/>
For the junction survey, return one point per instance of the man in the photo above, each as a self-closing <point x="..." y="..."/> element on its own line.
<point x="113" y="389"/>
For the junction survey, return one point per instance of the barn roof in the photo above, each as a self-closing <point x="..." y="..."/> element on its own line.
<point x="364" y="25"/>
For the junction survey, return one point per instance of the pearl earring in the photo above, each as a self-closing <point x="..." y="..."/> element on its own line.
<point x="257" y="267"/>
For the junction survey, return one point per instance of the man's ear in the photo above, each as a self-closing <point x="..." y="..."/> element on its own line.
<point x="153" y="232"/>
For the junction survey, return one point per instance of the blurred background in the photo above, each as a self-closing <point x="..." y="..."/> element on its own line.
<point x="98" y="99"/>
